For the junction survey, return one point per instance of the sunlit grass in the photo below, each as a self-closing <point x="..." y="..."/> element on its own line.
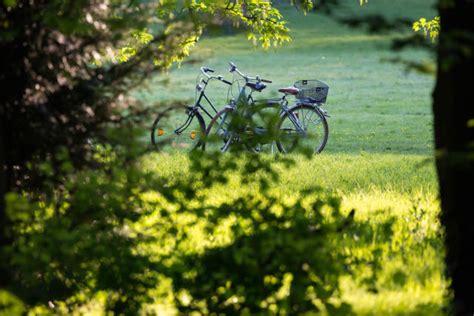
<point x="378" y="187"/>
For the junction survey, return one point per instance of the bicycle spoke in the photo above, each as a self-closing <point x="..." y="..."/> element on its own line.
<point x="313" y="135"/>
<point x="307" y="119"/>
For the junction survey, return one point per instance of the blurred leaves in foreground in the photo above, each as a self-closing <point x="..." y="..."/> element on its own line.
<point x="109" y="238"/>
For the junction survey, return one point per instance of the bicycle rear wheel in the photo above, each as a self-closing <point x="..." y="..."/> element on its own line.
<point x="178" y="127"/>
<point x="303" y="127"/>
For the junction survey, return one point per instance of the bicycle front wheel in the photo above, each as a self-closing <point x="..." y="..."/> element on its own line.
<point x="178" y="128"/>
<point x="303" y="127"/>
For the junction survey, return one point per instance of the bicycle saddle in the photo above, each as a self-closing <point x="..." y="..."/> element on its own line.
<point x="289" y="90"/>
<point x="257" y="86"/>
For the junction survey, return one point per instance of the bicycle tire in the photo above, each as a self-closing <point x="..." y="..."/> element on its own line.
<point x="191" y="137"/>
<point x="288" y="138"/>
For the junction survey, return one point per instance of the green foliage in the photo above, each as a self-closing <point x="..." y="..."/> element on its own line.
<point x="429" y="28"/>
<point x="10" y="304"/>
<point x="75" y="243"/>
<point x="285" y="258"/>
<point x="393" y="251"/>
<point x="9" y="3"/>
<point x="186" y="20"/>
<point x="274" y="254"/>
<point x="109" y="236"/>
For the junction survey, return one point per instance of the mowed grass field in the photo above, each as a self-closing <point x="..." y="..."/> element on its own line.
<point x="378" y="159"/>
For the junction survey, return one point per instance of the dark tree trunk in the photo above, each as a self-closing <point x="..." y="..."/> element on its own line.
<point x="454" y="137"/>
<point x="4" y="238"/>
<point x="3" y="184"/>
<point x="13" y="81"/>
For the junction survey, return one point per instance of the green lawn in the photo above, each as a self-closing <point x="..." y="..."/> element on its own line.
<point x="378" y="158"/>
<point x="375" y="106"/>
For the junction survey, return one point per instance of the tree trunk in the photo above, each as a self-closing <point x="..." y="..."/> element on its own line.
<point x="12" y="88"/>
<point x="4" y="240"/>
<point x="453" y="110"/>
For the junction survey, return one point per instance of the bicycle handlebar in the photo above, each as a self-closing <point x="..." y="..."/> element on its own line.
<point x="205" y="71"/>
<point x="233" y="68"/>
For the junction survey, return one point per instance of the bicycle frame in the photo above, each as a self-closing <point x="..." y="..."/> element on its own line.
<point x="192" y="110"/>
<point x="191" y="115"/>
<point x="283" y="108"/>
<point x="202" y="95"/>
<point x="248" y="107"/>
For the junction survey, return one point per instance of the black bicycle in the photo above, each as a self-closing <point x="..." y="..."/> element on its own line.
<point x="184" y="126"/>
<point x="246" y="121"/>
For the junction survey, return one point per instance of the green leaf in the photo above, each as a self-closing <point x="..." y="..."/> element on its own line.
<point x="9" y="3"/>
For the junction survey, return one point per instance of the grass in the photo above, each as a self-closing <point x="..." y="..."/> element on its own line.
<point x="375" y="106"/>
<point x="378" y="158"/>
<point x="379" y="187"/>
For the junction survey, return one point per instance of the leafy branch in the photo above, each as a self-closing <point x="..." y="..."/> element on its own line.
<point x="429" y="28"/>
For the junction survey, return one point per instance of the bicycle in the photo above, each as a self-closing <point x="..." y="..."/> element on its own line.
<point x="168" y="127"/>
<point x="302" y="125"/>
